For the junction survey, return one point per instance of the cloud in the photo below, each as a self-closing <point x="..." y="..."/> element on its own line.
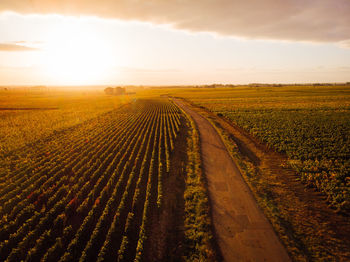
<point x="344" y="44"/>
<point x="15" y="48"/>
<point x="27" y="42"/>
<point x="295" y="20"/>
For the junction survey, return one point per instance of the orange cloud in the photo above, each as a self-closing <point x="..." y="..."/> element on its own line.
<point x="296" y="20"/>
<point x="15" y="48"/>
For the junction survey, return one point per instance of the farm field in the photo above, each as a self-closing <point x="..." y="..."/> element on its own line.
<point x="53" y="111"/>
<point x="86" y="176"/>
<point x="89" y="187"/>
<point x="166" y="131"/>
<point x="310" y="124"/>
<point x="291" y="143"/>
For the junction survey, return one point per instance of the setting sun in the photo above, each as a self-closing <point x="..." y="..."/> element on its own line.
<point x="75" y="55"/>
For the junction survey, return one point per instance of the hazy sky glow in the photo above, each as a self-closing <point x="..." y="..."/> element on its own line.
<point x="56" y="49"/>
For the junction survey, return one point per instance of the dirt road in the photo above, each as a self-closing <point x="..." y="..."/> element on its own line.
<point x="242" y="231"/>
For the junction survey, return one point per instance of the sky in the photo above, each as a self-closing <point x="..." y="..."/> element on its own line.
<point x="174" y="42"/>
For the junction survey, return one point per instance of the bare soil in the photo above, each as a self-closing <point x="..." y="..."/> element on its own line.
<point x="167" y="225"/>
<point x="310" y="229"/>
<point x="242" y="231"/>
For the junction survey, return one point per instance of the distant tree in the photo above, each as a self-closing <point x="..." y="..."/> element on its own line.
<point x="119" y="90"/>
<point x="109" y="91"/>
<point x="115" y="91"/>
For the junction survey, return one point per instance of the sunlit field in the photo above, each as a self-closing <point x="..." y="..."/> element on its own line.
<point x="87" y="176"/>
<point x="304" y="184"/>
<point x="82" y="176"/>
<point x="310" y="124"/>
<point x="174" y="131"/>
<point x="30" y="115"/>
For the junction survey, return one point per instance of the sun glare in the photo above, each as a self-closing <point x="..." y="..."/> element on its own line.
<point x="75" y="55"/>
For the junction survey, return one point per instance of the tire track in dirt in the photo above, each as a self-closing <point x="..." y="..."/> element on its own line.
<point x="242" y="231"/>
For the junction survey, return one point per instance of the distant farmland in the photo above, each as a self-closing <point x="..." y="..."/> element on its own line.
<point x="92" y="177"/>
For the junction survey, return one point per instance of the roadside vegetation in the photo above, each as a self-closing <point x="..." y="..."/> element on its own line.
<point x="198" y="226"/>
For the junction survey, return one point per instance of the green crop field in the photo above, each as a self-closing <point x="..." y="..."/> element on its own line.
<point x="310" y="124"/>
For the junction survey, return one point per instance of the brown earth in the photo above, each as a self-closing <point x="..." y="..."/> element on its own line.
<point x="311" y="230"/>
<point x="242" y="231"/>
<point x="165" y="242"/>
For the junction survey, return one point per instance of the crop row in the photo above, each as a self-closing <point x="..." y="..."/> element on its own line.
<point x="86" y="194"/>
